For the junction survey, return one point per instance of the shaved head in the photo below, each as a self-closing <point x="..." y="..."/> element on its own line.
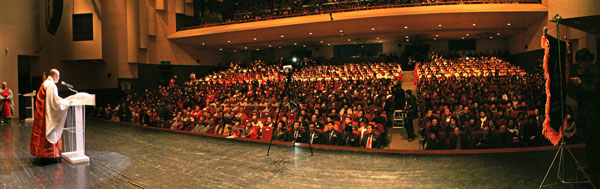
<point x="55" y="74"/>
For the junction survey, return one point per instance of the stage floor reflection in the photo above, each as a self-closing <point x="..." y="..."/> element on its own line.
<point x="125" y="156"/>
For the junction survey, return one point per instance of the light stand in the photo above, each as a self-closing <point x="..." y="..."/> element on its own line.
<point x="288" y="72"/>
<point x="560" y="153"/>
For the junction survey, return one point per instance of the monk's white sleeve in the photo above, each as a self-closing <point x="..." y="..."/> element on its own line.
<point x="56" y="113"/>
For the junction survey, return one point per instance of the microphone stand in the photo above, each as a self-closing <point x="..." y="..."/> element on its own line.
<point x="71" y="89"/>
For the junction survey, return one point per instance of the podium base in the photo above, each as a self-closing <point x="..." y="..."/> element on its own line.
<point x="75" y="157"/>
<point x="29" y="121"/>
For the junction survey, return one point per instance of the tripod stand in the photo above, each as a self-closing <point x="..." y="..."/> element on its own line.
<point x="560" y="153"/>
<point x="561" y="176"/>
<point x="289" y="74"/>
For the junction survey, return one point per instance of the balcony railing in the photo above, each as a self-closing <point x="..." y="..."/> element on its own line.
<point x="359" y="8"/>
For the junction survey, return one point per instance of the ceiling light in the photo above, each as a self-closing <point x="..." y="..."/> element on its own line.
<point x="378" y="38"/>
<point x="255" y="39"/>
<point x="245" y="47"/>
<point x="497" y="33"/>
<point x="228" y="41"/>
<point x="407" y="40"/>
<point x="221" y="49"/>
<point x="303" y="45"/>
<point x="258" y="49"/>
<point x="279" y="47"/>
<point x="328" y="44"/>
<point x="234" y="50"/>
<point x="341" y="31"/>
<point x="372" y="29"/>
<point x="462" y="38"/>
<point x="282" y="36"/>
<point x="342" y="34"/>
<point x="295" y="43"/>
<point x="320" y="41"/>
<point x="381" y="41"/>
<point x="437" y="35"/>
<point x="407" y="36"/>
<point x="349" y="40"/>
<point x="467" y="34"/>
<point x="439" y="25"/>
<point x="269" y="45"/>
<point x="203" y="43"/>
<point x="309" y="33"/>
<point x="491" y="37"/>
<point x="405" y="27"/>
<point x="474" y="24"/>
<point x="508" y="23"/>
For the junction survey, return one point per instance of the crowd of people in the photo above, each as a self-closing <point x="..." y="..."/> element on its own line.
<point x="480" y="103"/>
<point x="343" y="104"/>
<point x="267" y="9"/>
<point x="462" y="103"/>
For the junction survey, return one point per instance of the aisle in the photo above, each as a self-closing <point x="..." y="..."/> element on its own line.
<point x="398" y="138"/>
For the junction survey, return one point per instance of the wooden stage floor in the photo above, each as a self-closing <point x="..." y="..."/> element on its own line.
<point x="125" y="156"/>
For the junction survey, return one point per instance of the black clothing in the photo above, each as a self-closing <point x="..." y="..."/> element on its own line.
<point x="483" y="141"/>
<point x="411" y="114"/>
<point x="503" y="140"/>
<point x="588" y="110"/>
<point x="399" y="97"/>
<point x="375" y="140"/>
<point x="331" y="137"/>
<point x="297" y="136"/>
<point x="433" y="144"/>
<point x="379" y="119"/>
<point x="362" y="119"/>
<point x="281" y="135"/>
<point x="350" y="140"/>
<point x="318" y="125"/>
<point x="462" y="140"/>
<point x="316" y="137"/>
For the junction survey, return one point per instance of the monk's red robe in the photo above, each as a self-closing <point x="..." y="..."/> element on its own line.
<point x="40" y="146"/>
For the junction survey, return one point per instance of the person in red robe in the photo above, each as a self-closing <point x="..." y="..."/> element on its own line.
<point x="6" y="103"/>
<point x="49" y="118"/>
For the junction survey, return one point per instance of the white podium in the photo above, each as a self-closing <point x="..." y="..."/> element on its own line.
<point x="29" y="120"/>
<point x="74" y="130"/>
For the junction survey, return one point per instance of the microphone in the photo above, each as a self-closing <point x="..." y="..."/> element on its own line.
<point x="66" y="84"/>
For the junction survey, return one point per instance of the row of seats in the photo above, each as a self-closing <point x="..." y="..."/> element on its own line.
<point x="475" y="94"/>
<point x="212" y="15"/>
<point x="350" y="95"/>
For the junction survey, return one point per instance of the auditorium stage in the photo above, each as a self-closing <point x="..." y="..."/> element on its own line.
<point x="126" y="156"/>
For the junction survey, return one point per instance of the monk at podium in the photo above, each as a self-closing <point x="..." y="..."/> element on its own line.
<point x="49" y="119"/>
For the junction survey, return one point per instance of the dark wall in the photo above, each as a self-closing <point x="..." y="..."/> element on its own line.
<point x="597" y="55"/>
<point x="530" y="61"/>
<point x="151" y="75"/>
<point x="103" y="96"/>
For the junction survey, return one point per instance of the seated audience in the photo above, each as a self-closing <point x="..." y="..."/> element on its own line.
<point x="371" y="139"/>
<point x="473" y="93"/>
<point x="433" y="142"/>
<point x="459" y="140"/>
